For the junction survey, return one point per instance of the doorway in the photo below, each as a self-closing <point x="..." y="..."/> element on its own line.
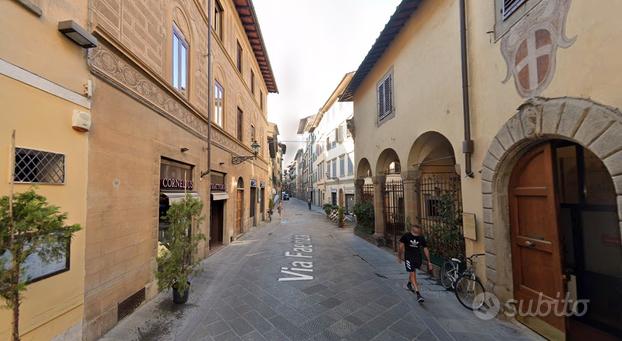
<point x="253" y="206"/>
<point x="239" y="206"/>
<point x="216" y="223"/>
<point x="566" y="240"/>
<point x="262" y="200"/>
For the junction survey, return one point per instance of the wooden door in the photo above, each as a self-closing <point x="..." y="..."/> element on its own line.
<point x="216" y="222"/>
<point x="536" y="260"/>
<point x="239" y="213"/>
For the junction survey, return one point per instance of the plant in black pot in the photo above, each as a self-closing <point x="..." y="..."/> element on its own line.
<point x="177" y="259"/>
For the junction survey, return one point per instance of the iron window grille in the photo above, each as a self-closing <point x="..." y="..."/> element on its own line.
<point x="35" y="166"/>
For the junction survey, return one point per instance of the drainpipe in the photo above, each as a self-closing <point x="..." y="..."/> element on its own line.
<point x="209" y="89"/>
<point x="467" y="144"/>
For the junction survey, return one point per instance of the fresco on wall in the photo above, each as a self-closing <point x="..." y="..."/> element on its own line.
<point x="530" y="47"/>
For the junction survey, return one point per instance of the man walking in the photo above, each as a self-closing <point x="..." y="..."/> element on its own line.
<point x="309" y="203"/>
<point x="411" y="245"/>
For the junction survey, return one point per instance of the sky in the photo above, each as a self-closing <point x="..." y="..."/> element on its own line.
<point x="311" y="45"/>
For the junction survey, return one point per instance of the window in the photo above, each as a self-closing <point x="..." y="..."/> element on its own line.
<point x="261" y="100"/>
<point x="239" y="57"/>
<point x="34" y="166"/>
<point x="350" y="165"/>
<point x="334" y="172"/>
<point x="509" y="7"/>
<point x="180" y="60"/>
<point x="328" y="143"/>
<point x="36" y="268"/>
<point x="252" y="82"/>
<point x="252" y="133"/>
<point x="509" y="12"/>
<point x="218" y="19"/>
<point x="385" y="97"/>
<point x="342" y="165"/>
<point x="240" y="131"/>
<point x="219" y="95"/>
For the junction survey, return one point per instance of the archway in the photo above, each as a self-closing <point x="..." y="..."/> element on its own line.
<point x="364" y="188"/>
<point x="239" y="205"/>
<point x="391" y="207"/>
<point x="584" y="143"/>
<point x="434" y="196"/>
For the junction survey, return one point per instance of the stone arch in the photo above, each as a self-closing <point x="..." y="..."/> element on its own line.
<point x="596" y="127"/>
<point x="431" y="148"/>
<point x="385" y="159"/>
<point x="240" y="185"/>
<point x="363" y="169"/>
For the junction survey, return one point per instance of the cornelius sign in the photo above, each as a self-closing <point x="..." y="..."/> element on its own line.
<point x="168" y="183"/>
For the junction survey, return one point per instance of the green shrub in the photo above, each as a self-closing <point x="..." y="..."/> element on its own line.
<point x="364" y="212"/>
<point x="340" y="216"/>
<point x="328" y="208"/>
<point x="178" y="262"/>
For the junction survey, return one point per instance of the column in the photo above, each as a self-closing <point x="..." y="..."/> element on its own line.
<point x="411" y="198"/>
<point x="358" y="190"/>
<point x="379" y="182"/>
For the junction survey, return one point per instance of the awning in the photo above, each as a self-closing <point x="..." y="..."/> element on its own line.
<point x="179" y="196"/>
<point x="220" y="196"/>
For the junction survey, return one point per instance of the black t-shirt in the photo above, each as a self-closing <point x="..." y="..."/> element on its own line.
<point x="413" y="245"/>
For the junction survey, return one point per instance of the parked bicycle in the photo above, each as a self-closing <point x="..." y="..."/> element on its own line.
<point x="466" y="284"/>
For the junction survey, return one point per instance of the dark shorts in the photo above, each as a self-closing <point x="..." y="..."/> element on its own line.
<point x="412" y="264"/>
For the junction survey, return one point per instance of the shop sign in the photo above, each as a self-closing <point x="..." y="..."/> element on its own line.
<point x="217" y="187"/>
<point x="175" y="175"/>
<point x="168" y="183"/>
<point x="253" y="183"/>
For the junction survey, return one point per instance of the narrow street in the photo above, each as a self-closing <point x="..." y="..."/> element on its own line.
<point x="357" y="293"/>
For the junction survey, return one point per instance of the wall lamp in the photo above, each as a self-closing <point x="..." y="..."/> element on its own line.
<point x="184" y="149"/>
<point x="77" y="34"/>
<point x="236" y="160"/>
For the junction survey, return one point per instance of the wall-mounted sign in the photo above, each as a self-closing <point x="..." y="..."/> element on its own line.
<point x="468" y="225"/>
<point x="217" y="182"/>
<point x="175" y="175"/>
<point x="253" y="183"/>
<point x="175" y="184"/>
<point x="262" y="184"/>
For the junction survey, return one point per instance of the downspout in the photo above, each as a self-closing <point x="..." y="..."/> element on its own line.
<point x="209" y="89"/>
<point x="467" y="144"/>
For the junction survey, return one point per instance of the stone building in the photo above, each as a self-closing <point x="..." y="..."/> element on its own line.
<point x="504" y="112"/>
<point x="333" y="151"/>
<point x="149" y="143"/>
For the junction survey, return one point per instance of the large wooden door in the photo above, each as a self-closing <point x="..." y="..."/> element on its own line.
<point x="536" y="259"/>
<point x="239" y="212"/>
<point x="216" y="222"/>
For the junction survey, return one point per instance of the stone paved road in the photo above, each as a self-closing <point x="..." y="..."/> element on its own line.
<point x="357" y="293"/>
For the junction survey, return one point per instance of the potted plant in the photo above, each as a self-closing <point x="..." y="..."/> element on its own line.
<point x="29" y="226"/>
<point x="341" y="216"/>
<point x="177" y="261"/>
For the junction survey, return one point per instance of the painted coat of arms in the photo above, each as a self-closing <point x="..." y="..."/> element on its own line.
<point x="530" y="47"/>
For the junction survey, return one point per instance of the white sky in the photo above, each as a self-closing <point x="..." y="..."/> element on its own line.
<point x="311" y="45"/>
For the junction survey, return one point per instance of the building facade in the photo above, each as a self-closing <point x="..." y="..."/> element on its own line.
<point x="42" y="94"/>
<point x="501" y="111"/>
<point x="151" y="107"/>
<point x="333" y="151"/>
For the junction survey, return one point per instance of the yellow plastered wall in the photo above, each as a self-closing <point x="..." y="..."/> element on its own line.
<point x="43" y="122"/>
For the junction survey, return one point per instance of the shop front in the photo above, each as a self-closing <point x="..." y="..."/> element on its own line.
<point x="176" y="181"/>
<point x="218" y="201"/>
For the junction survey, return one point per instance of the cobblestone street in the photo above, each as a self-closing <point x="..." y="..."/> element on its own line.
<point x="357" y="293"/>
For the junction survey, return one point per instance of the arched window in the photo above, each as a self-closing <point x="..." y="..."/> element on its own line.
<point x="180" y="60"/>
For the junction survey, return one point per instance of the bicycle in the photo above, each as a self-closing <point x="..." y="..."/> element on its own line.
<point x="466" y="284"/>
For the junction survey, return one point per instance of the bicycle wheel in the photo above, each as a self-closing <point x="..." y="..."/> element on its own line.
<point x="447" y="272"/>
<point x="467" y="288"/>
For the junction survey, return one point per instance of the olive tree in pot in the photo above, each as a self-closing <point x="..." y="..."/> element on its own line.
<point x="29" y="226"/>
<point x="177" y="261"/>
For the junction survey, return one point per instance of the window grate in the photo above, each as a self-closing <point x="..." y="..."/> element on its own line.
<point x="34" y="166"/>
<point x="509" y="7"/>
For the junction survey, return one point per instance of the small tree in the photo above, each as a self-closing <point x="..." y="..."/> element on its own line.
<point x="364" y="212"/>
<point x="340" y="216"/>
<point x="30" y="226"/>
<point x="178" y="262"/>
